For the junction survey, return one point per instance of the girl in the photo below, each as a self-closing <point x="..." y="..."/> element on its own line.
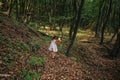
<point x="53" y="46"/>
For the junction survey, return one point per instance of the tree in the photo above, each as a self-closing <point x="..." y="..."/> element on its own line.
<point x="74" y="18"/>
<point x="116" y="48"/>
<point x="75" y="27"/>
<point x="105" y="21"/>
<point x="97" y="28"/>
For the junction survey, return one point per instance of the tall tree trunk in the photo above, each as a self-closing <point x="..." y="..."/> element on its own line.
<point x="105" y="22"/>
<point x="75" y="28"/>
<point x="17" y="10"/>
<point x="74" y="18"/>
<point x="97" y="28"/>
<point x="11" y="6"/>
<point x="116" y="48"/>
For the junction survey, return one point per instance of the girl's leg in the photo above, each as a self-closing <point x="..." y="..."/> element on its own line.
<point x="53" y="54"/>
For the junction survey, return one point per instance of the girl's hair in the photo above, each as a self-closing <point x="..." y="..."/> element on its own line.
<point x="54" y="37"/>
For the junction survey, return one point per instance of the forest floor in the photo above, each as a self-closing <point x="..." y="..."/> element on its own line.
<point x="21" y="46"/>
<point x="96" y="65"/>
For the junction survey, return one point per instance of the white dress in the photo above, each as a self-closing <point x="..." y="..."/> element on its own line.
<point x="53" y="46"/>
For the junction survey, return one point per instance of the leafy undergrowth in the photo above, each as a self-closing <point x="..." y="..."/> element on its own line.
<point x="18" y="46"/>
<point x="24" y="56"/>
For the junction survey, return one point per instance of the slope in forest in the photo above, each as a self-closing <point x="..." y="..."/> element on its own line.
<point x="24" y="56"/>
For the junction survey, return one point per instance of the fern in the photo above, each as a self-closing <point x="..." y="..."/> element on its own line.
<point x="36" y="61"/>
<point x="29" y="75"/>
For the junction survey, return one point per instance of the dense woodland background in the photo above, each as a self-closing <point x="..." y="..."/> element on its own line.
<point x="68" y="19"/>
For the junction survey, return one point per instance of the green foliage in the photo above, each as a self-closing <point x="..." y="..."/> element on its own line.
<point x="8" y="62"/>
<point x="61" y="19"/>
<point x="22" y="46"/>
<point x="16" y="22"/>
<point x="47" y="39"/>
<point x="90" y="11"/>
<point x="10" y="65"/>
<point x="33" y="25"/>
<point x="36" y="61"/>
<point x="29" y="75"/>
<point x="35" y="45"/>
<point x="60" y="47"/>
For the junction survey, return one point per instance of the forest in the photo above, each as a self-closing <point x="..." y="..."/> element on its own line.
<point x="90" y="39"/>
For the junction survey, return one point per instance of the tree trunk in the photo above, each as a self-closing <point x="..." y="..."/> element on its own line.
<point x="105" y="22"/>
<point x="17" y="13"/>
<point x="115" y="33"/>
<point x="116" y="49"/>
<point x="74" y="19"/>
<point x="75" y="28"/>
<point x="97" y="28"/>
